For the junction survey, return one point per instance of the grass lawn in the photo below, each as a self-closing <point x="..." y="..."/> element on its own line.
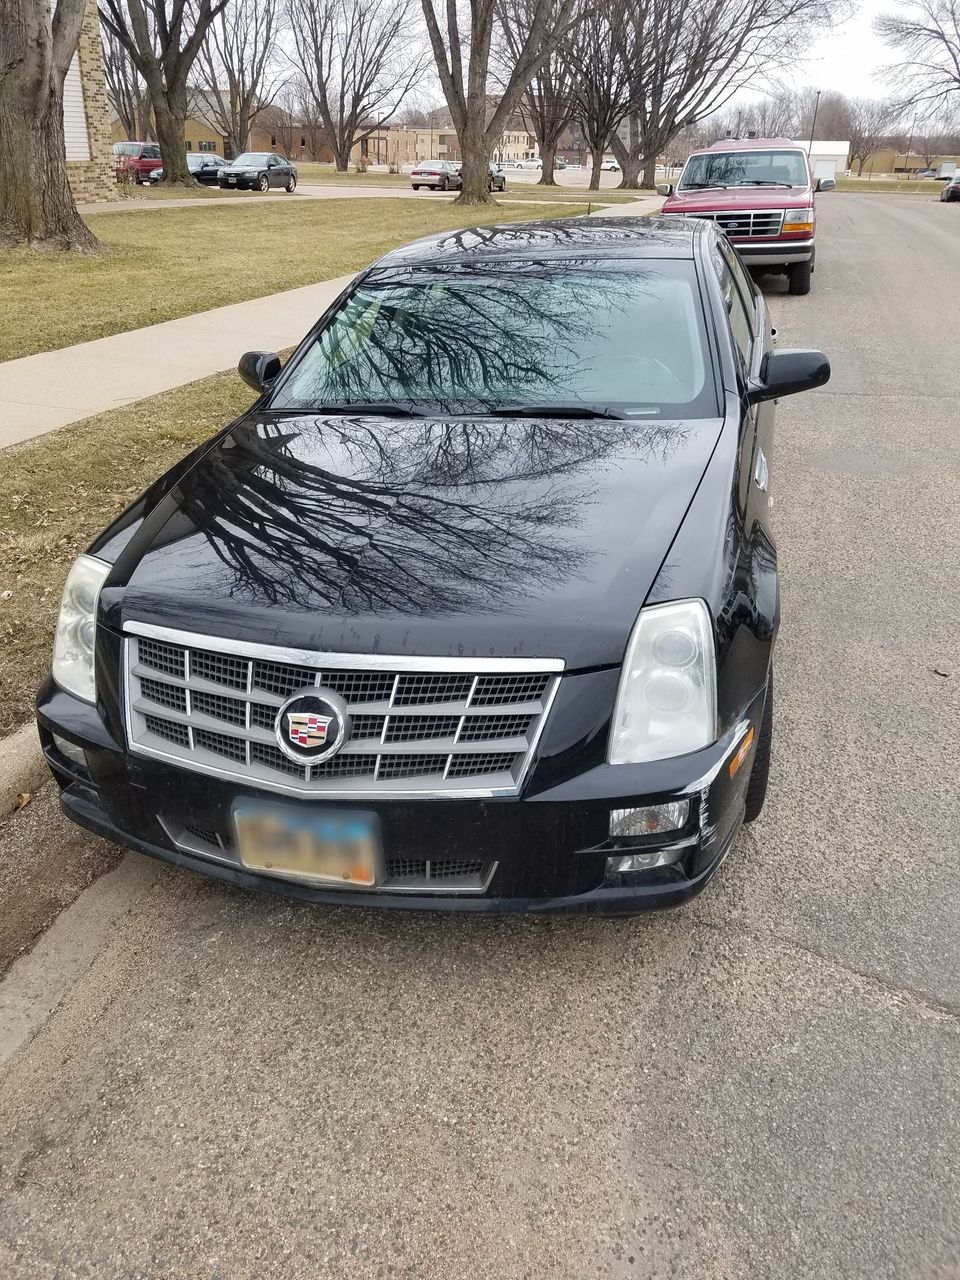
<point x="880" y="186"/>
<point x="58" y="491"/>
<point x="175" y="262"/>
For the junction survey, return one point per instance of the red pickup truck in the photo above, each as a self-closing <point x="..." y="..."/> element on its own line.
<point x="761" y="193"/>
<point x="135" y="161"/>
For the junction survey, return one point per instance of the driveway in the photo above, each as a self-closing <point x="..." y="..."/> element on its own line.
<point x="763" y="1084"/>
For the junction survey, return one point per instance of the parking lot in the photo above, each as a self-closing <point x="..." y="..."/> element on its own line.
<point x="763" y="1084"/>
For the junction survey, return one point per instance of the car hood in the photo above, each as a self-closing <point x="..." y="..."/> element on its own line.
<point x="721" y="198"/>
<point x="471" y="537"/>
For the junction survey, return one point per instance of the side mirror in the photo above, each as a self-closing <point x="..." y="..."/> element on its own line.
<point x="783" y="373"/>
<point x="665" y="189"/>
<point x="259" y="369"/>
<point x="826" y="184"/>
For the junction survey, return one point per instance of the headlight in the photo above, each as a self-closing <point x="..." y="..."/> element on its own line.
<point x="252" y="173"/>
<point x="73" y="644"/>
<point x="667" y="700"/>
<point x="795" y="217"/>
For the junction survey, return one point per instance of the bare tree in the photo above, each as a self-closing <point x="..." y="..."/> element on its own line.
<point x="697" y="54"/>
<point x="927" y="34"/>
<point x="282" y="118"/>
<point x="463" y="65"/>
<point x="163" y="39"/>
<point x="871" y="120"/>
<point x="236" y="68"/>
<point x="601" y="58"/>
<point x="37" y="43"/>
<point x="359" y="60"/>
<point x="548" y="105"/>
<point x="126" y="91"/>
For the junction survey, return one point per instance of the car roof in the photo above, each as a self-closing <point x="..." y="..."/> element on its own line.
<point x="567" y="238"/>
<point x="751" y="144"/>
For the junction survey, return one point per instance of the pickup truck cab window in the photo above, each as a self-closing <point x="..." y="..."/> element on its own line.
<point x="746" y="168"/>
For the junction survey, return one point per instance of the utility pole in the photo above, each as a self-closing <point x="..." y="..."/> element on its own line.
<point x="813" y="127"/>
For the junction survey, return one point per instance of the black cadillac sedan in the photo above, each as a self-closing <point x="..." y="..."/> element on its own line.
<point x="258" y="171"/>
<point x="474" y="609"/>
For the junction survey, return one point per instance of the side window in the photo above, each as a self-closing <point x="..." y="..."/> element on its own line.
<point x="736" y="310"/>
<point x="747" y="288"/>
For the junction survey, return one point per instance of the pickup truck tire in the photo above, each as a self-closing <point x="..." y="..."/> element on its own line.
<point x="757" y="786"/>
<point x="799" y="276"/>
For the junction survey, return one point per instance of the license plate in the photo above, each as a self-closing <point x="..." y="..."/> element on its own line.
<point x="232" y="181"/>
<point x="321" y="848"/>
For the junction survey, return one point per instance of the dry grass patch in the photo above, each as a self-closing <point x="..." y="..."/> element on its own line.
<point x="174" y="262"/>
<point x="57" y="492"/>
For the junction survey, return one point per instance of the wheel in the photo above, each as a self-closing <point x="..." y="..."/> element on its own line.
<point x="799" y="276"/>
<point x="264" y="182"/>
<point x="291" y="184"/>
<point x="416" y="186"/>
<point x="444" y="185"/>
<point x="757" y="786"/>
<point x="518" y="166"/>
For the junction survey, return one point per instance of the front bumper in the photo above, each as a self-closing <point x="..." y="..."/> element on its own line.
<point x="773" y="253"/>
<point x="549" y="848"/>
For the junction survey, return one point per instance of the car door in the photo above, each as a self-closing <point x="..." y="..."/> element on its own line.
<point x="273" y="171"/>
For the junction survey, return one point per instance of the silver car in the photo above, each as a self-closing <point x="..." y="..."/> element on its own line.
<point x="438" y="175"/>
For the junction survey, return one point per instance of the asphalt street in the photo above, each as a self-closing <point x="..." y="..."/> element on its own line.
<point x="765" y="1083"/>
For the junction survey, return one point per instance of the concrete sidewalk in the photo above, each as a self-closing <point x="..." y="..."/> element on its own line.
<point x="55" y="388"/>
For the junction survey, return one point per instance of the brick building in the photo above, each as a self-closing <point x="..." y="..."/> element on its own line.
<point x="86" y="118"/>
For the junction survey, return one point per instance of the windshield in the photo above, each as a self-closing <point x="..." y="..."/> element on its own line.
<point x="126" y="148"/>
<point x="620" y="337"/>
<point x="745" y="168"/>
<point x="194" y="162"/>
<point x="250" y="159"/>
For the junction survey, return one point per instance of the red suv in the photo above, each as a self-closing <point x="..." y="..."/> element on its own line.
<point x="760" y="192"/>
<point x="136" y="160"/>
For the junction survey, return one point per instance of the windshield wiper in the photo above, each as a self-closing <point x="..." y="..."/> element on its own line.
<point x="552" y="411"/>
<point x="376" y="410"/>
<point x="700" y="186"/>
<point x="763" y="182"/>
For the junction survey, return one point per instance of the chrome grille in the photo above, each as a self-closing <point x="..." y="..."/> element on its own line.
<point x="418" y="726"/>
<point x="747" y="223"/>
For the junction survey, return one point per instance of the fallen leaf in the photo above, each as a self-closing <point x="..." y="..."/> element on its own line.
<point x="23" y="799"/>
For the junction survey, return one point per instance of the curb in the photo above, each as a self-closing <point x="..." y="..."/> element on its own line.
<point x="22" y="766"/>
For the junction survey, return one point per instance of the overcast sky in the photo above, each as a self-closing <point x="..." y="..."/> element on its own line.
<point x="849" y="58"/>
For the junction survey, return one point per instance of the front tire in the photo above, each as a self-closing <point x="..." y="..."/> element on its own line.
<point x="444" y="185"/>
<point x="759" y="775"/>
<point x="799" y="277"/>
<point x="264" y="183"/>
<point x="291" y="185"/>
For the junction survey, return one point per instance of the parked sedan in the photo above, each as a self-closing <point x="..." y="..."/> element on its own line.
<point x="438" y="175"/>
<point x="610" y="166"/>
<point x="205" y="168"/>
<point x="951" y="190"/>
<point x="259" y="171"/>
<point x="474" y="609"/>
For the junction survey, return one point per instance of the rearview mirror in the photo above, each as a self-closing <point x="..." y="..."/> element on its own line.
<point x="783" y="373"/>
<point x="826" y="184"/>
<point x="665" y="189"/>
<point x="259" y="369"/>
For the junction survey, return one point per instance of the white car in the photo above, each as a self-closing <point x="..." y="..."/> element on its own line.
<point x="535" y="163"/>
<point x="610" y="166"/>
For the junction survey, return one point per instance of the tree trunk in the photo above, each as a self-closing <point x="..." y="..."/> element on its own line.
<point x="170" y="116"/>
<point x="475" y="170"/>
<point x="629" y="160"/>
<point x="650" y="172"/>
<point x="548" y="154"/>
<point x="596" y="157"/>
<point x="36" y="204"/>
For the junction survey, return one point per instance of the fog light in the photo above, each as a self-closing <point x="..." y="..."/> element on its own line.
<point x="652" y="820"/>
<point x="632" y="862"/>
<point x="70" y="750"/>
